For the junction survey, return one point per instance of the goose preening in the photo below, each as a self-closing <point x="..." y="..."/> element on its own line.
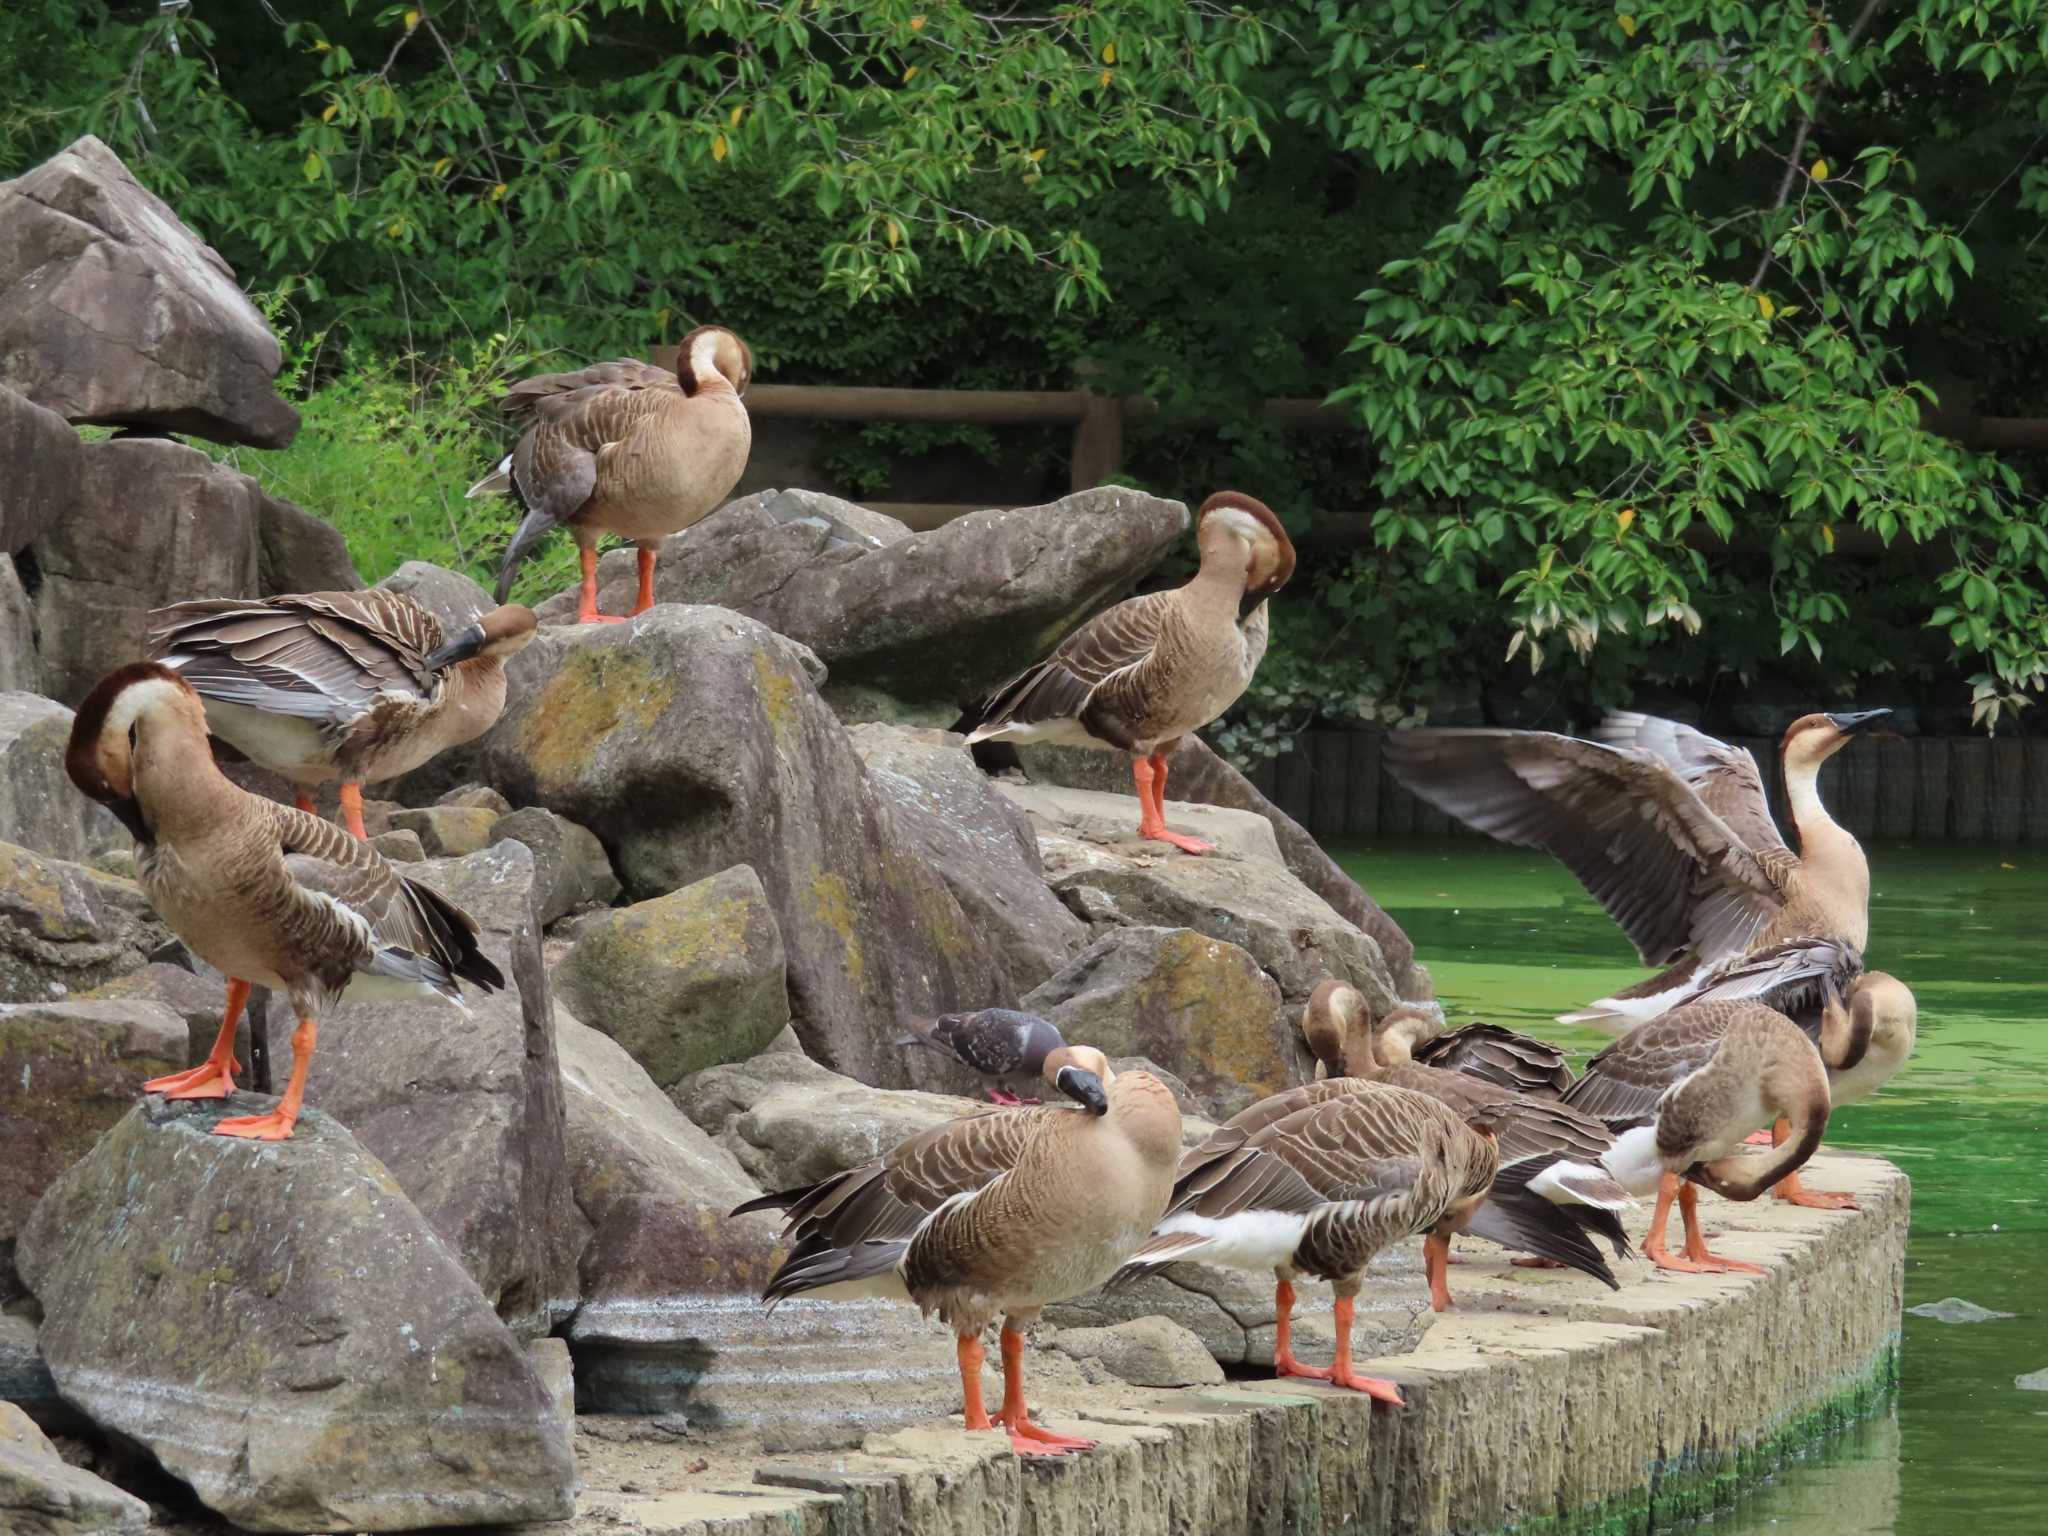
<point x="625" y="448"/>
<point x="1668" y="829"/>
<point x="999" y="1043"/>
<point x="1862" y="1043"/>
<point x="355" y="686"/>
<point x="268" y="895"/>
<point x="995" y="1215"/>
<point x="1683" y="1092"/>
<point x="1142" y="674"/>
<point x="1498" y="1055"/>
<point x="1316" y="1181"/>
<point x="1552" y="1193"/>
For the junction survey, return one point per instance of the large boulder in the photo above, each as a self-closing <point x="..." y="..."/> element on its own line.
<point x="20" y="671"/>
<point x="447" y="831"/>
<point x="43" y="1495"/>
<point x="299" y="552"/>
<point x="1200" y="1007"/>
<point x="685" y="981"/>
<point x="280" y="1328"/>
<point x="692" y="740"/>
<point x="570" y="867"/>
<point x="197" y="1000"/>
<point x="113" y="311"/>
<point x="983" y="847"/>
<point x="943" y="615"/>
<point x="40" y="808"/>
<point x="157" y="522"/>
<point x="66" y="928"/>
<point x="464" y="1106"/>
<point x="42" y="454"/>
<point x="1146" y="1352"/>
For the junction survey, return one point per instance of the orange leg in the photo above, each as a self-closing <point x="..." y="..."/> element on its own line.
<point x="967" y="1347"/>
<point x="646" y="582"/>
<point x="305" y="803"/>
<point x="1696" y="1240"/>
<point x="1696" y="1260"/>
<point x="1026" y="1438"/>
<point x="1342" y="1375"/>
<point x="1436" y="1256"/>
<point x="1150" y="773"/>
<point x="1792" y="1192"/>
<point x="277" y="1125"/>
<point x="1284" y="1363"/>
<point x="586" y="595"/>
<point x="352" y="811"/>
<point x="213" y="1078"/>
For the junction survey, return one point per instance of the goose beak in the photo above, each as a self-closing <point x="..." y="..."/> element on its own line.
<point x="1849" y="724"/>
<point x="461" y="648"/>
<point x="1084" y="1088"/>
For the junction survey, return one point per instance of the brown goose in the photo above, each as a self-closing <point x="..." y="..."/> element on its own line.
<point x="1668" y="829"/>
<point x="355" y="686"/>
<point x="1139" y="676"/>
<point x="1497" y="1055"/>
<point x="268" y="895"/>
<point x="626" y="448"/>
<point x="1862" y="1046"/>
<point x="995" y="1215"/>
<point x="1316" y="1181"/>
<point x="1551" y="1193"/>
<point x="1682" y="1092"/>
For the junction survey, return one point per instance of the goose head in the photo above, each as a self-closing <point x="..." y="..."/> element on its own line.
<point x="131" y="703"/>
<point x="1887" y="1006"/>
<point x="1082" y="1073"/>
<point x="713" y="351"/>
<point x="500" y="634"/>
<point x="1266" y="551"/>
<point x="1338" y="1025"/>
<point x="1811" y="740"/>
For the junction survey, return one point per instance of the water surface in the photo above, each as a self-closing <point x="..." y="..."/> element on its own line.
<point x="1510" y="937"/>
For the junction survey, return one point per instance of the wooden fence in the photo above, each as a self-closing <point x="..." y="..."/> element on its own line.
<point x="1897" y="789"/>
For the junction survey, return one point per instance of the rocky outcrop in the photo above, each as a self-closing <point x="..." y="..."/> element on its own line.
<point x="113" y="311"/>
<point x="25" y="1378"/>
<point x="299" y="552"/>
<point x="1146" y="1352"/>
<point x="939" y="616"/>
<point x="40" y="808"/>
<point x="42" y="456"/>
<point x="686" y="981"/>
<point x="19" y="669"/>
<point x="570" y="867"/>
<point x="1199" y="1007"/>
<point x="281" y="1329"/>
<point x="65" y="928"/>
<point x="159" y="522"/>
<point x="42" y="1495"/>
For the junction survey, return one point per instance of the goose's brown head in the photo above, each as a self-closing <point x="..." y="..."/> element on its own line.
<point x="502" y="633"/>
<point x="1811" y="740"/>
<point x="1337" y="1022"/>
<point x="1889" y="1006"/>
<point x="1082" y="1073"/>
<point x="100" y="756"/>
<point x="1271" y="560"/>
<point x="709" y="350"/>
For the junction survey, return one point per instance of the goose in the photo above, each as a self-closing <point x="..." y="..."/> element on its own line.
<point x="1668" y="829"/>
<point x="1551" y="1193"/>
<point x="996" y="1214"/>
<point x="267" y="894"/>
<point x="1862" y="1046"/>
<point x="1316" y="1181"/>
<point x="1000" y="1043"/>
<point x="625" y="448"/>
<point x="1681" y="1094"/>
<point x="1496" y="1054"/>
<point x="1140" y="675"/>
<point x="355" y="686"/>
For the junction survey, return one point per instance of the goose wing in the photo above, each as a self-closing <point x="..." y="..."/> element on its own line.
<point x="324" y="656"/>
<point x="1624" y="1084"/>
<point x="1499" y="1056"/>
<point x="526" y="398"/>
<point x="1725" y="778"/>
<point x="1112" y="645"/>
<point x="1670" y="872"/>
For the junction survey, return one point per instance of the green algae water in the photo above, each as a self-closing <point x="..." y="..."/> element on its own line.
<point x="1510" y="937"/>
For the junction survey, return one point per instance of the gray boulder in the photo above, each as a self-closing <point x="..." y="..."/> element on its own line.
<point x="448" y="595"/>
<point x="1146" y="1352"/>
<point x="20" y="671"/>
<point x="447" y="831"/>
<point x="197" y="1000"/>
<point x="113" y="311"/>
<point x="477" y="796"/>
<point x="685" y="981"/>
<point x="399" y="847"/>
<point x="42" y="1495"/>
<point x="570" y="867"/>
<point x="300" y="552"/>
<point x="305" y="1352"/>
<point x="42" y="455"/>
<point x="25" y="1378"/>
<point x="65" y="928"/>
<point x="40" y="808"/>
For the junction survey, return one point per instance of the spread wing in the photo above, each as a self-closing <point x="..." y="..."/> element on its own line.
<point x="324" y="656"/>
<point x="1117" y="640"/>
<point x="1725" y="778"/>
<point x="1624" y="1083"/>
<point x="1670" y="872"/>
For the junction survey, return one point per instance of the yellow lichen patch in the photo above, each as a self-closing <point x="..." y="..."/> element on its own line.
<point x="596" y="690"/>
<point x="778" y="699"/>
<point x="829" y="902"/>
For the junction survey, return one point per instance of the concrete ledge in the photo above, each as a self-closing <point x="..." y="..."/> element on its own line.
<point x="1542" y="1403"/>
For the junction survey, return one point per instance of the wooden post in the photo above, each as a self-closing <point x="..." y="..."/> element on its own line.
<point x="1857" y="786"/>
<point x="1297" y="792"/>
<point x="1362" y="789"/>
<point x="2034" y="821"/>
<point x="1895" y="788"/>
<point x="2008" y="788"/>
<point x="1930" y="789"/>
<point x="1330" y="757"/>
<point x="1098" y="436"/>
<point x="1397" y="809"/>
<point x="1969" y="789"/>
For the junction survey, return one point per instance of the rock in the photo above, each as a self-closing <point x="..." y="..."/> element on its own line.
<point x="157" y="522"/>
<point x="40" y="808"/>
<point x="2033" y="1381"/>
<point x="692" y="740"/>
<point x="113" y="311"/>
<point x="281" y="1329"/>
<point x="448" y="595"/>
<point x="400" y="847"/>
<point x="570" y="867"/>
<point x="67" y="1072"/>
<point x="465" y="1108"/>
<point x="557" y="1375"/>
<point x="19" y="670"/>
<point x="42" y="454"/>
<point x="1146" y="1352"/>
<point x="299" y="552"/>
<point x="65" y="928"/>
<point x="448" y="830"/>
<point x="195" y="999"/>
<point x="957" y="821"/>
<point x="25" y="1378"/>
<point x="1953" y="1309"/>
<point x="41" y="1495"/>
<point x="1110" y="819"/>
<point x="941" y="616"/>
<point x="687" y="981"/>
<point x="477" y="795"/>
<point x="1199" y="1007"/>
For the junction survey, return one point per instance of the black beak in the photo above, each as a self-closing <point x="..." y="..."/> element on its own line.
<point x="1084" y="1088"/>
<point x="461" y="648"/>
<point x="1849" y="724"/>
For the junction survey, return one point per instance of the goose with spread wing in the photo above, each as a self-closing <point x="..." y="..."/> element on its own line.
<point x="268" y="895"/>
<point x="1668" y="829"/>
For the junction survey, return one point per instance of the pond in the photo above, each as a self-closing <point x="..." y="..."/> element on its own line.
<point x="1510" y="937"/>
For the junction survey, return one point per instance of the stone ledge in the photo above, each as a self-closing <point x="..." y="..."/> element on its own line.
<point x="1543" y="1403"/>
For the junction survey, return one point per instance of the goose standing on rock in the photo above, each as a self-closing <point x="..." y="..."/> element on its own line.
<point x="995" y="1215"/>
<point x="355" y="686"/>
<point x="1140" y="675"/>
<point x="629" y="449"/>
<point x="1668" y="829"/>
<point x="268" y="895"/>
